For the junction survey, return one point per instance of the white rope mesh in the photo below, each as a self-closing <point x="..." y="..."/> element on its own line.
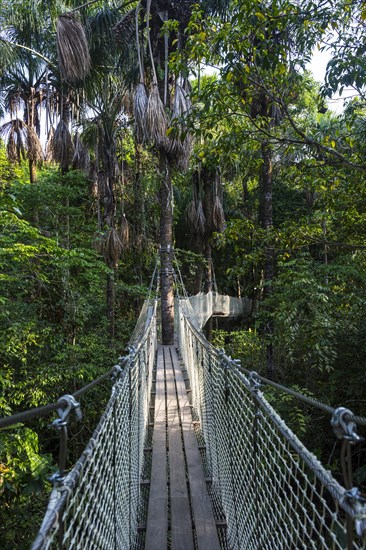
<point x="273" y="492"/>
<point x="97" y="504"/>
<point x="201" y="307"/>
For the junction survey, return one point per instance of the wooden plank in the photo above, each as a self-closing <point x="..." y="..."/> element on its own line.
<point x="205" y="525"/>
<point x="157" y="518"/>
<point x="181" y="524"/>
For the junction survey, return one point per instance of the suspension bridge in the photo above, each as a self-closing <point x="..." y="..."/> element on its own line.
<point x="189" y="454"/>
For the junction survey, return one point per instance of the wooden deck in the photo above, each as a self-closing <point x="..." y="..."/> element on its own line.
<point x="179" y="504"/>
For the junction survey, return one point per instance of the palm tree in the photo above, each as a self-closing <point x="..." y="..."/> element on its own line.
<point x="105" y="90"/>
<point x="25" y="75"/>
<point x="159" y="99"/>
<point x="102" y="132"/>
<point x="24" y="90"/>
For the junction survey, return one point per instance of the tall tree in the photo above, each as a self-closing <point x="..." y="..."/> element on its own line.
<point x="160" y="99"/>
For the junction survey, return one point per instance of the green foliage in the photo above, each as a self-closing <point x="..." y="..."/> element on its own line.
<point x="189" y="263"/>
<point x="305" y="325"/>
<point x="296" y="414"/>
<point x="54" y="329"/>
<point x="245" y="345"/>
<point x="23" y="485"/>
<point x="23" y="469"/>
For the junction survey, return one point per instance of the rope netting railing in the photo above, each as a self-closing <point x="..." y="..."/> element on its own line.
<point x="96" y="504"/>
<point x="271" y="490"/>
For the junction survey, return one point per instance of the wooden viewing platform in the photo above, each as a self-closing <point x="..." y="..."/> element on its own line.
<point x="177" y="478"/>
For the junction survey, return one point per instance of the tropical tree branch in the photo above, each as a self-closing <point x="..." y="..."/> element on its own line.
<point x="31" y="50"/>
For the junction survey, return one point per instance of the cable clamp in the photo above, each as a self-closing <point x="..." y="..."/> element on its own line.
<point x="358" y="503"/>
<point x="123" y="360"/>
<point x="56" y="478"/>
<point x="63" y="412"/>
<point x="222" y="356"/>
<point x="167" y="248"/>
<point x="116" y="372"/>
<point x="344" y="428"/>
<point x="131" y="350"/>
<point x="254" y="381"/>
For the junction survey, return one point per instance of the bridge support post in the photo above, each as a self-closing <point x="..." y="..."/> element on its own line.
<point x="166" y="250"/>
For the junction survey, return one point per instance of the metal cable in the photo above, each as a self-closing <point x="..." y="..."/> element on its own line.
<point x="153" y="277"/>
<point x="96" y="505"/>
<point x="360" y="420"/>
<point x="180" y="275"/>
<point x="138" y="339"/>
<point x="38" y="412"/>
<point x="285" y="497"/>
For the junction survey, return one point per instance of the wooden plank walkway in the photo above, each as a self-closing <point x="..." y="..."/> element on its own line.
<point x="177" y="478"/>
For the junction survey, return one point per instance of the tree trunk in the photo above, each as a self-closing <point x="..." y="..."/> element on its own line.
<point x="32" y="171"/>
<point x="107" y="172"/>
<point x="208" y="181"/>
<point x="139" y="200"/>
<point x="110" y="306"/>
<point x="266" y="219"/>
<point x="33" y="179"/>
<point x="166" y="251"/>
<point x="209" y="277"/>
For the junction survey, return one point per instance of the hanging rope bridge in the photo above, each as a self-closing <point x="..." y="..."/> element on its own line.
<point x="189" y="454"/>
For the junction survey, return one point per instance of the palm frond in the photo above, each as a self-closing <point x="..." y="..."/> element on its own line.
<point x="156" y="119"/>
<point x="63" y="147"/>
<point x="12" y="149"/>
<point x="125" y="29"/>
<point x="15" y="131"/>
<point x="72" y="48"/>
<point x="140" y="109"/>
<point x="102" y="37"/>
<point x="181" y="104"/>
<point x="81" y="158"/>
<point x="218" y="216"/>
<point x="8" y="54"/>
<point x="200" y="219"/>
<point x="185" y="153"/>
<point x="34" y="147"/>
<point x="50" y="147"/>
<point x="124" y="232"/>
<point x="180" y="140"/>
<point x="112" y="247"/>
<point x="191" y="215"/>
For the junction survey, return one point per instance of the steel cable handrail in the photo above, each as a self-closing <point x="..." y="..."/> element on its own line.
<point x="38" y="412"/>
<point x="280" y="503"/>
<point x="235" y="364"/>
<point x="45" y="410"/>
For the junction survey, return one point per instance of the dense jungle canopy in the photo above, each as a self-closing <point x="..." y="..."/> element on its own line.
<point x="129" y="126"/>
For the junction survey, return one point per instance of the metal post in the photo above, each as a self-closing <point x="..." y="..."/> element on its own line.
<point x="61" y="424"/>
<point x="345" y="430"/>
<point x="255" y="385"/>
<point x="228" y="431"/>
<point x="114" y="474"/>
